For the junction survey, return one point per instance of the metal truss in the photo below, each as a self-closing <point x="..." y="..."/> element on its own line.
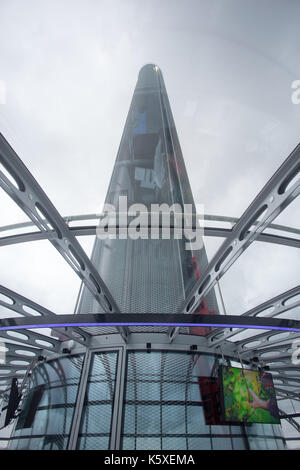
<point x="290" y="420"/>
<point x="28" y="308"/>
<point x="87" y="320"/>
<point x="288" y="394"/>
<point x="276" y="326"/>
<point x="267" y="348"/>
<point x="21" y="186"/>
<point x="215" y="231"/>
<point x="271" y="308"/>
<point x="274" y="349"/>
<point x="288" y="379"/>
<point x="278" y="193"/>
<point x="21" y="353"/>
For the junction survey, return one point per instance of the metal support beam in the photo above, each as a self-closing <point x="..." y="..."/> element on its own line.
<point x="152" y="319"/>
<point x="33" y="339"/>
<point x="21" y="186"/>
<point x="264" y="339"/>
<point x="271" y="308"/>
<point x="269" y="344"/>
<point x="290" y="420"/>
<point x="79" y="405"/>
<point x="288" y="394"/>
<point x="289" y="366"/>
<point x="90" y="230"/>
<point x="278" y="193"/>
<point x="16" y="302"/>
<point x="21" y="305"/>
<point x="288" y="379"/>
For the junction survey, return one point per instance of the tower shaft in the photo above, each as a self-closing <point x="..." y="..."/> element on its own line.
<point x="149" y="275"/>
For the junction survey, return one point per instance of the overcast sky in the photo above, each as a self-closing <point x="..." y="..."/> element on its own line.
<point x="68" y="70"/>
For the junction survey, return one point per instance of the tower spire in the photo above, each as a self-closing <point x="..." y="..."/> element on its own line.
<point x="148" y="275"/>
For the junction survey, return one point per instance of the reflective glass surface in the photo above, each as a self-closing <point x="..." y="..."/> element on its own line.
<point x="96" y="417"/>
<point x="45" y="420"/>
<point x="165" y="406"/>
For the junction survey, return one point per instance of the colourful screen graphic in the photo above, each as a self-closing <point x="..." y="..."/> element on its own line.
<point x="248" y="396"/>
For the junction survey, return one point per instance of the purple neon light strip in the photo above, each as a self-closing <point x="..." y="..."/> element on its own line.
<point x="216" y="325"/>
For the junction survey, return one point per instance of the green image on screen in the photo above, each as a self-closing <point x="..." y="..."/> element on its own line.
<point x="248" y="396"/>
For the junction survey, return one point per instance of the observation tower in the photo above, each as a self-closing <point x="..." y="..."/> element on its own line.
<point x="138" y="364"/>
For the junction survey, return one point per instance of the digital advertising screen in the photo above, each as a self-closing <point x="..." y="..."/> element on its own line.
<point x="248" y="396"/>
<point x="211" y="401"/>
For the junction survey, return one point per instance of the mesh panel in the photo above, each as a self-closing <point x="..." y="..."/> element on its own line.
<point x="148" y="329"/>
<point x="162" y="401"/>
<point x="52" y="417"/>
<point x="163" y="407"/>
<point x="95" y="330"/>
<point x="108" y="330"/>
<point x="98" y="405"/>
<point x="142" y="275"/>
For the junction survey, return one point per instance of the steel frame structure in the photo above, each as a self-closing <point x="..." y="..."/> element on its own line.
<point x="268" y="349"/>
<point x="21" y="186"/>
<point x="278" y="193"/>
<point x="89" y="230"/>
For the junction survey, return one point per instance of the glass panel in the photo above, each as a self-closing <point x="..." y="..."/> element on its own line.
<point x="148" y="443"/>
<point x="260" y="435"/>
<point x="148" y="419"/>
<point x="128" y="443"/>
<point x="271" y="444"/>
<point x="196" y="421"/>
<point x="238" y="443"/>
<point x="221" y="443"/>
<point x="164" y="402"/>
<point x="199" y="443"/>
<point x="256" y="443"/>
<point x="94" y="443"/>
<point x="47" y="412"/>
<point x="173" y="419"/>
<point x="172" y="443"/>
<point x="98" y="404"/>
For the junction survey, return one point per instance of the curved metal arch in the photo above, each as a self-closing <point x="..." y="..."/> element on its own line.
<point x="276" y="195"/>
<point x="264" y="338"/>
<point x="269" y="203"/>
<point x="21" y="186"/>
<point x="156" y="319"/>
<point x="290" y="420"/>
<point x="13" y="355"/>
<point x="13" y="347"/>
<point x="283" y="348"/>
<point x="215" y="231"/>
<point x="91" y="230"/>
<point x="19" y="302"/>
<point x="288" y="394"/>
<point x="32" y="337"/>
<point x="287" y="379"/>
<point x="275" y="354"/>
<point x="277" y="304"/>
